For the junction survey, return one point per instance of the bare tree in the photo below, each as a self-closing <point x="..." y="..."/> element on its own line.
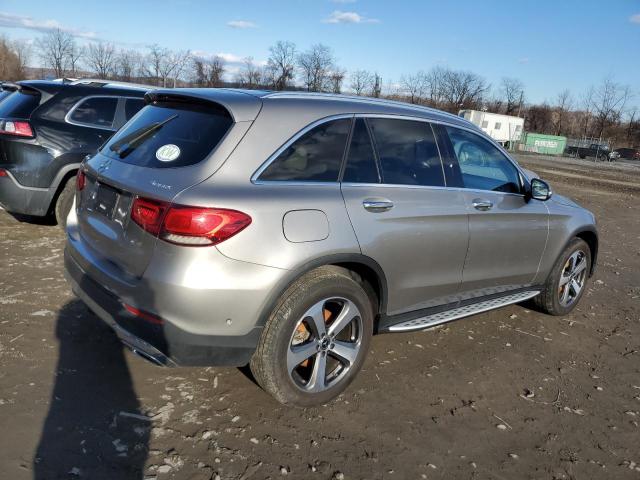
<point x="361" y="81"/>
<point x="461" y="89"/>
<point x="250" y="75"/>
<point x="22" y="49"/>
<point x="127" y="65"/>
<point x="208" y="71"/>
<point x="315" y="65"/>
<point x="281" y="64"/>
<point x="336" y="78"/>
<point x="56" y="49"/>
<point x="414" y="86"/>
<point x="101" y="58"/>
<point x="512" y="91"/>
<point x="376" y="90"/>
<point x="179" y="61"/>
<point x="608" y="101"/>
<point x="10" y="65"/>
<point x="564" y="104"/>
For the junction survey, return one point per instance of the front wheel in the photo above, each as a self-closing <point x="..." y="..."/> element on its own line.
<point x="567" y="282"/>
<point x="316" y="339"/>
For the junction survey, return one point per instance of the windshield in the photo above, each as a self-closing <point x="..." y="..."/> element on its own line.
<point x="169" y="135"/>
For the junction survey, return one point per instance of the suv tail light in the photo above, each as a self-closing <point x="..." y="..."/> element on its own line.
<point x="19" y="128"/>
<point x="81" y="180"/>
<point x="183" y="225"/>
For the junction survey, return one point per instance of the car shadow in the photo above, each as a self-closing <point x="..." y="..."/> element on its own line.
<point x="95" y="427"/>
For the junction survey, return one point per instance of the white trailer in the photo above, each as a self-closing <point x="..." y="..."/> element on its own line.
<point x="502" y="128"/>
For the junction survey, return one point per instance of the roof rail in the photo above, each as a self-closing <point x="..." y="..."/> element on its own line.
<point x="98" y="82"/>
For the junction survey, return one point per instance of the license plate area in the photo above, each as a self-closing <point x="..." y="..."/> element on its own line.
<point x="104" y="200"/>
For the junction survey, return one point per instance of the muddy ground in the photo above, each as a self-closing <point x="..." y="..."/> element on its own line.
<point x="503" y="395"/>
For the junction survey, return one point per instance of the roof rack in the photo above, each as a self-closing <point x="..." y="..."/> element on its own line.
<point x="97" y="82"/>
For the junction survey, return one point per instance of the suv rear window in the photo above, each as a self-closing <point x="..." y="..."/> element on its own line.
<point x="167" y="135"/>
<point x="19" y="105"/>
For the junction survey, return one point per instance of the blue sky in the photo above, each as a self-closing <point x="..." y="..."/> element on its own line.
<point x="549" y="45"/>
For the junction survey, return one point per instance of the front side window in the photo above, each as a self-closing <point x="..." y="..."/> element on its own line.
<point x="483" y="166"/>
<point x="407" y="152"/>
<point x="314" y="157"/>
<point x="361" y="161"/>
<point x="95" y="111"/>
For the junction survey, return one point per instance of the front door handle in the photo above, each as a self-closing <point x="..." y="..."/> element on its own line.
<point x="483" y="205"/>
<point x="377" y="206"/>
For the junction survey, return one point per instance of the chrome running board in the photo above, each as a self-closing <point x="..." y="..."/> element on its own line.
<point x="460" y="312"/>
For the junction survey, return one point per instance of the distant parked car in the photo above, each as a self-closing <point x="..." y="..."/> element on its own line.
<point x="625" y="154"/>
<point x="595" y="150"/>
<point x="226" y="227"/>
<point x="46" y="129"/>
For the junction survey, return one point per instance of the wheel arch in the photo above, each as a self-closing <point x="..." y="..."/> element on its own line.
<point x="59" y="182"/>
<point x="590" y="236"/>
<point x="365" y="267"/>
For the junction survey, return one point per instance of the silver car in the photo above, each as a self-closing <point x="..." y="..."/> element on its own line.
<point x="282" y="230"/>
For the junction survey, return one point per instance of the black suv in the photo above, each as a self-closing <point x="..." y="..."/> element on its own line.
<point x="46" y="129"/>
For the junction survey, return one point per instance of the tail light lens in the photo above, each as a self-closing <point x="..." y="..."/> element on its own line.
<point x="19" y="128"/>
<point x="149" y="317"/>
<point x="81" y="180"/>
<point x="3" y="173"/>
<point x="182" y="225"/>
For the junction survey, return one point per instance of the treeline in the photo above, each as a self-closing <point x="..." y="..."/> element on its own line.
<point x="602" y="111"/>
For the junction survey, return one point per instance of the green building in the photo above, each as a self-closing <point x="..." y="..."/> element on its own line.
<point x="546" y="144"/>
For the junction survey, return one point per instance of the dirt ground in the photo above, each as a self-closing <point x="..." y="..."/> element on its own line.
<point x="503" y="395"/>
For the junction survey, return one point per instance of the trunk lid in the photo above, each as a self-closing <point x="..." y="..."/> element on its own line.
<point x="167" y="147"/>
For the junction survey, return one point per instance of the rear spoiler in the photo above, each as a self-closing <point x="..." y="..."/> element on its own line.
<point x="29" y="89"/>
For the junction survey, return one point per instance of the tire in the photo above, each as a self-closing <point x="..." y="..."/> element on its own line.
<point x="550" y="300"/>
<point x="291" y="327"/>
<point x="65" y="201"/>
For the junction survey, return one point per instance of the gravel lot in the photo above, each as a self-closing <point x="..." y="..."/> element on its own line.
<point x="502" y="395"/>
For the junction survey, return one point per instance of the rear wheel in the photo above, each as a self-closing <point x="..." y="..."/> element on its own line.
<point x="566" y="283"/>
<point x="65" y="201"/>
<point x="316" y="339"/>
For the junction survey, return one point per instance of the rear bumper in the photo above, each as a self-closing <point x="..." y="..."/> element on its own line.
<point x="17" y="198"/>
<point x="165" y="344"/>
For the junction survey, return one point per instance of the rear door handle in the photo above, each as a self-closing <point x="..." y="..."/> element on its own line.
<point x="483" y="205"/>
<point x="377" y="206"/>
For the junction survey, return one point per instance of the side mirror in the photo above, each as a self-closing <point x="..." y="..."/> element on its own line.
<point x="540" y="190"/>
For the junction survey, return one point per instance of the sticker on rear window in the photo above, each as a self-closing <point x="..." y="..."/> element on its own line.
<point x="168" y="153"/>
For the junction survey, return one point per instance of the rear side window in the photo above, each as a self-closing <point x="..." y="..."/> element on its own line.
<point x="314" y="157"/>
<point x="407" y="151"/>
<point x="167" y="135"/>
<point x="132" y="106"/>
<point x="95" y="112"/>
<point x="19" y="105"/>
<point x="361" y="161"/>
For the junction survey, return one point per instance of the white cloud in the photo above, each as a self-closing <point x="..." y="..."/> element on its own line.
<point x="241" y="24"/>
<point x="338" y="16"/>
<point x="635" y="18"/>
<point x="523" y="60"/>
<point x="8" y="20"/>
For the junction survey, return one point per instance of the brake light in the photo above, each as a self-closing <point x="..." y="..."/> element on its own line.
<point x="148" y="214"/>
<point x="3" y="173"/>
<point x="149" y="317"/>
<point x="17" y="128"/>
<point x="81" y="180"/>
<point x="182" y="225"/>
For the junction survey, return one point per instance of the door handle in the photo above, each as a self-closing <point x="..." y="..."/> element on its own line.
<point x="483" y="205"/>
<point x="377" y="206"/>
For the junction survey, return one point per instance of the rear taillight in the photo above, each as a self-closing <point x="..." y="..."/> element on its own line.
<point x="19" y="128"/>
<point x="182" y="225"/>
<point x="81" y="180"/>
<point x="3" y="173"/>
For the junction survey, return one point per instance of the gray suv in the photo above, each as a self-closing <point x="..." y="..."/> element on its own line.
<point x="282" y="230"/>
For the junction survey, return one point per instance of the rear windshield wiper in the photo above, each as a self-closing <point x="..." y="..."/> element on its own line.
<point x="127" y="144"/>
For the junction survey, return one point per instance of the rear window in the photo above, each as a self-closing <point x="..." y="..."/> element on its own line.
<point x="4" y="94"/>
<point x="132" y="106"/>
<point x="169" y="135"/>
<point x="19" y="105"/>
<point x="95" y="112"/>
